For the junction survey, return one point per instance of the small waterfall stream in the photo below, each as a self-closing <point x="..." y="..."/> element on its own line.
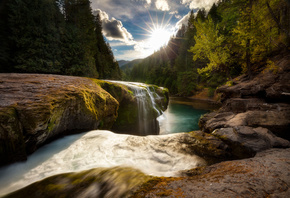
<point x="147" y="108"/>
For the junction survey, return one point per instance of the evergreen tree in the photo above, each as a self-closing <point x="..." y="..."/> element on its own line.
<point x="34" y="35"/>
<point x="54" y="36"/>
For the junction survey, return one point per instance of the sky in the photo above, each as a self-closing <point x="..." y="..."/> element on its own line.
<point x="137" y="28"/>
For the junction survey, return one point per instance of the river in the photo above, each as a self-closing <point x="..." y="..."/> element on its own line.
<point x="156" y="155"/>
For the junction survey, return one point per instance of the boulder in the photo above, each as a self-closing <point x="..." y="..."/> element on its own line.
<point x="35" y="109"/>
<point x="276" y="121"/>
<point x="251" y="139"/>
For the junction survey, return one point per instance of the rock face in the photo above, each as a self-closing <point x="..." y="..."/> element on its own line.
<point x="35" y="109"/>
<point x="265" y="175"/>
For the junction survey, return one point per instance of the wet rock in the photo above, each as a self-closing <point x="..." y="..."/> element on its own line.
<point x="265" y="175"/>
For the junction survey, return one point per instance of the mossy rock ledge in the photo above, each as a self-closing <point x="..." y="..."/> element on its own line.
<point x="35" y="109"/>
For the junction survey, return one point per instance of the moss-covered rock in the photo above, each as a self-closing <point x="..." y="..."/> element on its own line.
<point x="35" y="109"/>
<point x="99" y="182"/>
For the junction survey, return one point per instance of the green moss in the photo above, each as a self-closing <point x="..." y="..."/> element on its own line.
<point x="90" y="101"/>
<point x="54" y="187"/>
<point x="56" y="114"/>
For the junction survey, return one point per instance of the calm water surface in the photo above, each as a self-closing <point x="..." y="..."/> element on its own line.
<point x="183" y="114"/>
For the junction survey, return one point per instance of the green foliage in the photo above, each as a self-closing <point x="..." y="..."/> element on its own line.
<point x="271" y="67"/>
<point x="210" y="45"/>
<point x="54" y="36"/>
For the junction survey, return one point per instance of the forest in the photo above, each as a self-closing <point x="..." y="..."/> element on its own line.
<point x="54" y="37"/>
<point x="234" y="37"/>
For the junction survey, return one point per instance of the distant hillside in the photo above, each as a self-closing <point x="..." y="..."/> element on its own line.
<point x="129" y="64"/>
<point x="122" y="62"/>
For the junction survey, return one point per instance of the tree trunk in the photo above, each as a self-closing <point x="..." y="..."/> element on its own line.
<point x="248" y="45"/>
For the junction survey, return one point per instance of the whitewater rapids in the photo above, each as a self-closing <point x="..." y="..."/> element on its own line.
<point x="154" y="155"/>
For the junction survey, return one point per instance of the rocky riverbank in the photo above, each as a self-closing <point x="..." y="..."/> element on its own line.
<point x="254" y="117"/>
<point x="265" y="175"/>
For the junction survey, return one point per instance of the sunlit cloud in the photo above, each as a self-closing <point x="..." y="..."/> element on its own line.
<point x="196" y="4"/>
<point x="162" y="5"/>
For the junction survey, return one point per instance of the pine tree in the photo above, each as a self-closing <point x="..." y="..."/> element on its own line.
<point x="34" y="35"/>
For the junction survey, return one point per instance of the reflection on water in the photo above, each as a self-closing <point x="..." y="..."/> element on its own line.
<point x="183" y="114"/>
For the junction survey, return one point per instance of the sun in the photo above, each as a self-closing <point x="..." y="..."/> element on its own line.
<point x="159" y="37"/>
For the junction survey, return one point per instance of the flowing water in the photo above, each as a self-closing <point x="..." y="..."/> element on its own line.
<point x="147" y="107"/>
<point x="159" y="155"/>
<point x="154" y="155"/>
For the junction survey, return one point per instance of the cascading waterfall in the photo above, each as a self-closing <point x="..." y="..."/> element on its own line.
<point x="147" y="108"/>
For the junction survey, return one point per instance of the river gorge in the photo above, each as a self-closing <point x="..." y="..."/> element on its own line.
<point x="82" y="137"/>
<point x="156" y="155"/>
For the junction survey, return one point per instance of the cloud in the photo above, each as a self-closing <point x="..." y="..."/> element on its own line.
<point x="113" y="29"/>
<point x="162" y="5"/>
<point x="183" y="21"/>
<point x="122" y="9"/>
<point x="173" y="12"/>
<point x="196" y="4"/>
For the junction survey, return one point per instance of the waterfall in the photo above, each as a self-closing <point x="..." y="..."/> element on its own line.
<point x="148" y="109"/>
